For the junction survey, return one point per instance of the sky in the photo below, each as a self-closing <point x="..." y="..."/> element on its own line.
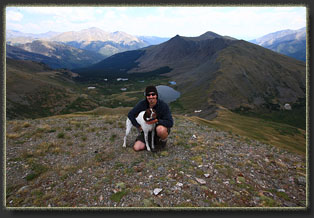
<point x="239" y="22"/>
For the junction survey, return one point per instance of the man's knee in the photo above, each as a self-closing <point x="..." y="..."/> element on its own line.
<point x="162" y="131"/>
<point x="138" y="146"/>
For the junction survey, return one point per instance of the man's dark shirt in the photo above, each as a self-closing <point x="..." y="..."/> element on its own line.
<point x="163" y="113"/>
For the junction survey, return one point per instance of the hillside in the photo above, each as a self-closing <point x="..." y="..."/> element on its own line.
<point x="34" y="90"/>
<point x="77" y="160"/>
<point x="212" y="70"/>
<point x="16" y="53"/>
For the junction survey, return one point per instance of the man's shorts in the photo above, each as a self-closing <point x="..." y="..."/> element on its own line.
<point x="157" y="140"/>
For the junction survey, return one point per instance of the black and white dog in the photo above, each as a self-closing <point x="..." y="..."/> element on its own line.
<point x="142" y="118"/>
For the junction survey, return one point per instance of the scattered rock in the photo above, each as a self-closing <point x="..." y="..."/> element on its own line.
<point x="101" y="198"/>
<point x="226" y="182"/>
<point x="301" y="180"/>
<point x="201" y="181"/>
<point x="157" y="191"/>
<point x="179" y="184"/>
<point x="290" y="204"/>
<point x="23" y="189"/>
<point x="161" y="169"/>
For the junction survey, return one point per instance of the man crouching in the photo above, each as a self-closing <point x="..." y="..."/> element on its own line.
<point x="163" y="121"/>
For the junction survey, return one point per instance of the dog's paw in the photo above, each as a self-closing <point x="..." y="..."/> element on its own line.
<point x="154" y="150"/>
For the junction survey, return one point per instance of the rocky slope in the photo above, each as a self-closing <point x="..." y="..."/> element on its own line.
<point x="78" y="161"/>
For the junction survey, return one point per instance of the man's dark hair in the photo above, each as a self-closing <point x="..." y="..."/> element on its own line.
<point x="151" y="89"/>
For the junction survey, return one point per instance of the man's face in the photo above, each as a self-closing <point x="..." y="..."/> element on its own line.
<point x="151" y="98"/>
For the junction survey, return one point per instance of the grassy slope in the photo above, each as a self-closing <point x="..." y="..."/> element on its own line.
<point x="34" y="90"/>
<point x="277" y="134"/>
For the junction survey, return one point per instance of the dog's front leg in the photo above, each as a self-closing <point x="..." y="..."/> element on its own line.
<point x="128" y="125"/>
<point x="146" y="141"/>
<point x="153" y="136"/>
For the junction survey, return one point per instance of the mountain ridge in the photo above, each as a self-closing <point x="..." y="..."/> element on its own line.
<point x="191" y="50"/>
<point x="219" y="71"/>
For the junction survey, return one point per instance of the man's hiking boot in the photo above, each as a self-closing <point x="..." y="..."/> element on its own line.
<point x="160" y="145"/>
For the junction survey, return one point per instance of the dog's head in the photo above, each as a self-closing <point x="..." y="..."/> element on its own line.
<point x="150" y="114"/>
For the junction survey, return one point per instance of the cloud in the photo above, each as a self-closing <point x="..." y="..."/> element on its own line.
<point x="239" y="22"/>
<point x="65" y="13"/>
<point x="48" y="10"/>
<point x="14" y="16"/>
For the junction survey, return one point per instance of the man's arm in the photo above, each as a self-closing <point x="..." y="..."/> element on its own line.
<point x="134" y="112"/>
<point x="165" y="118"/>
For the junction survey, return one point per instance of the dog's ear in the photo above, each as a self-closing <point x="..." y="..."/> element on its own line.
<point x="146" y="115"/>
<point x="154" y="114"/>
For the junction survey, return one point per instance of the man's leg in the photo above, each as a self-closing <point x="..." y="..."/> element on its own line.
<point x="139" y="146"/>
<point x="162" y="132"/>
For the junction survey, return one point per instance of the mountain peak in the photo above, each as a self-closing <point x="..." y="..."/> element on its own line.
<point x="205" y="36"/>
<point x="94" y="29"/>
<point x="209" y="35"/>
<point x="177" y="37"/>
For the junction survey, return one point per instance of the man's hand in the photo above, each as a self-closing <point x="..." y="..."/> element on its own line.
<point x="152" y="121"/>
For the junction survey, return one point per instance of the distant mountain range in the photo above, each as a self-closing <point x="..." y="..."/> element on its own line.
<point x="54" y="54"/>
<point x="13" y="34"/>
<point x="288" y="42"/>
<point x="213" y="70"/>
<point x="92" y="39"/>
<point x="94" y="45"/>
